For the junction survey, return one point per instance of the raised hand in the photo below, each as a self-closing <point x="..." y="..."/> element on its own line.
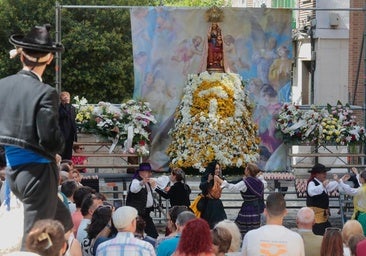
<point x="354" y="170"/>
<point x="152" y="182"/>
<point x="346" y="177"/>
<point x="218" y="179"/>
<point x="326" y="182"/>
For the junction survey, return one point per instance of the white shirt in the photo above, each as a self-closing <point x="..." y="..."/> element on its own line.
<point x="241" y="186"/>
<point x="273" y="240"/>
<point x="162" y="181"/>
<point x="314" y="190"/>
<point x="136" y="186"/>
<point x="81" y="234"/>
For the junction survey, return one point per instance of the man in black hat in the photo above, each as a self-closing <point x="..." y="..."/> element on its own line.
<point x="30" y="132"/>
<point x="317" y="196"/>
<point x="140" y="196"/>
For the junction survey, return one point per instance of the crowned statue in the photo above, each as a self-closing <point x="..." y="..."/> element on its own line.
<point x="215" y="56"/>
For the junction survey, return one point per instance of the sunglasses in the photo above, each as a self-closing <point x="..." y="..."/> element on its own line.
<point x="330" y="229"/>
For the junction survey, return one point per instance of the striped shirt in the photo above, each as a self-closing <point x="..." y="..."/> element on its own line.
<point x="125" y="244"/>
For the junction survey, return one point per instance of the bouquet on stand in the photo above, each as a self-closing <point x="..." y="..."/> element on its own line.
<point x="335" y="125"/>
<point x="126" y="124"/>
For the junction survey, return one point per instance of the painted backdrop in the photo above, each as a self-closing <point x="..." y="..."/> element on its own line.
<point x="169" y="43"/>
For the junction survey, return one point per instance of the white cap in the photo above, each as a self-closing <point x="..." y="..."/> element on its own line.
<point x="124" y="216"/>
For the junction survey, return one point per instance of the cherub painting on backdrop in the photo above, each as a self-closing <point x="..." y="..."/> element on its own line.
<point x="264" y="115"/>
<point x="234" y="54"/>
<point x="171" y="100"/>
<point x="154" y="91"/>
<point x="272" y="66"/>
<point x="264" y="57"/>
<point x="140" y="67"/>
<point x="253" y="89"/>
<point x="280" y="73"/>
<point x="167" y="34"/>
<point x="185" y="52"/>
<point x="165" y="26"/>
<point x="139" y="26"/>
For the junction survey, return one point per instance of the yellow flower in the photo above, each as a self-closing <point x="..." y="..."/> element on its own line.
<point x="214" y="119"/>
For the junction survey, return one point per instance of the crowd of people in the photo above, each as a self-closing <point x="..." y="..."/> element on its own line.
<point x="64" y="217"/>
<point x="101" y="229"/>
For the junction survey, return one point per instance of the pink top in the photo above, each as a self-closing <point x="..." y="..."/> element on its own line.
<point x="79" y="160"/>
<point x="76" y="219"/>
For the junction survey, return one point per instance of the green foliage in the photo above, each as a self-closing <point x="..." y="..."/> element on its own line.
<point x="17" y="16"/>
<point x="97" y="62"/>
<point x="98" y="57"/>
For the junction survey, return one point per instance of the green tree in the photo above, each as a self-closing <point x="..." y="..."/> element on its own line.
<point x="97" y="62"/>
<point x="17" y="16"/>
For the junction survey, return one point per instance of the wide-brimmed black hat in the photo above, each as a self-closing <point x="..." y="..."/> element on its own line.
<point x="144" y="167"/>
<point x="38" y="39"/>
<point x="318" y="168"/>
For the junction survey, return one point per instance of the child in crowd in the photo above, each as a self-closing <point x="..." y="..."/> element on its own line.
<point x="78" y="159"/>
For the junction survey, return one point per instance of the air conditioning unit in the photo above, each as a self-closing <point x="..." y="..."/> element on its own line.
<point x="334" y="19"/>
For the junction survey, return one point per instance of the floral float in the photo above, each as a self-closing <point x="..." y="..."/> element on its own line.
<point x="213" y="122"/>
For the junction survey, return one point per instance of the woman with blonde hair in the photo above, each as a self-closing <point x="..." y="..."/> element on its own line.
<point x="350" y="228"/>
<point x="221" y="239"/>
<point x="235" y="234"/>
<point x="47" y="238"/>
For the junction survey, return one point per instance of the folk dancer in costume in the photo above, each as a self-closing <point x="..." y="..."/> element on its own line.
<point x="317" y="196"/>
<point x="251" y="188"/>
<point x="211" y="207"/>
<point x="140" y="196"/>
<point x="178" y="193"/>
<point x="30" y="132"/>
<point x="359" y="196"/>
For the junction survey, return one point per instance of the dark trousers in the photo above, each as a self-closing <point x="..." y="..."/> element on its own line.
<point x="35" y="184"/>
<point x="69" y="142"/>
<point x="150" y="228"/>
<point x="319" y="228"/>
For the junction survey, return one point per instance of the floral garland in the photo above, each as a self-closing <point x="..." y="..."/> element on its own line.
<point x="331" y="125"/>
<point x="213" y="122"/>
<point x="126" y="124"/>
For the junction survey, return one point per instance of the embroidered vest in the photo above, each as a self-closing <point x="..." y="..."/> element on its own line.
<point x="320" y="201"/>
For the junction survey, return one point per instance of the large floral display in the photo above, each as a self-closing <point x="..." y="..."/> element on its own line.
<point x="213" y="122"/>
<point x="125" y="124"/>
<point x="329" y="125"/>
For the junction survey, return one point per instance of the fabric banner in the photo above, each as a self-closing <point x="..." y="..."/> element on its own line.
<point x="170" y="43"/>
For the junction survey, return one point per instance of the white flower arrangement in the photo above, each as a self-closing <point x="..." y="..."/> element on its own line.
<point x="213" y="122"/>
<point x="126" y="124"/>
<point x="332" y="125"/>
